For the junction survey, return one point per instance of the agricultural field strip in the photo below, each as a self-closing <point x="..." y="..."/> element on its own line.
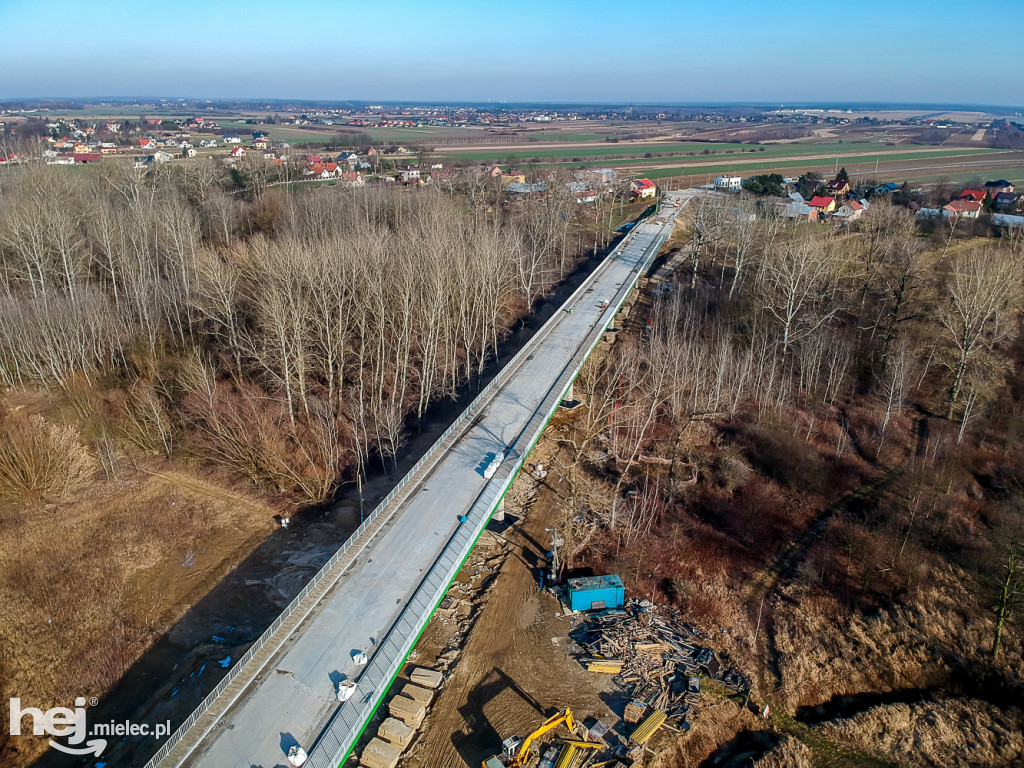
<point x="293" y="695"/>
<point x="637" y="151"/>
<point x="764" y="161"/>
<point x="853" y="170"/>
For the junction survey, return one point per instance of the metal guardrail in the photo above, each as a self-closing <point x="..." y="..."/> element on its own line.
<point x="342" y="731"/>
<point x="373" y="519"/>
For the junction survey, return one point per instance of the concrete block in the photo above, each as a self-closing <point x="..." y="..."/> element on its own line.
<point x="396" y="732"/>
<point x="408" y="711"/>
<point x="380" y="754"/>
<point x="417" y="693"/>
<point x="428" y="678"/>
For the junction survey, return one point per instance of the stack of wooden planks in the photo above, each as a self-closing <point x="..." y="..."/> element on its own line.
<point x="656" y="657"/>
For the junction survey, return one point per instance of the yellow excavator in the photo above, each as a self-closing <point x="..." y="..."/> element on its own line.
<point x="517" y="751"/>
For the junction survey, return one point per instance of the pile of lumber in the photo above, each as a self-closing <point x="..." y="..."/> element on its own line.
<point x="656" y="658"/>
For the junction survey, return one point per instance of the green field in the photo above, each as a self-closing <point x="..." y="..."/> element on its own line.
<point x="849" y="162"/>
<point x="741" y="162"/>
<point x="672" y="150"/>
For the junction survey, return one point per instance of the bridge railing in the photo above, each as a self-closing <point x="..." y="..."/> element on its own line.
<point x="372" y="519"/>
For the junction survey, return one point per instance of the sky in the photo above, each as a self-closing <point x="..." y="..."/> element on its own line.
<point x="674" y="51"/>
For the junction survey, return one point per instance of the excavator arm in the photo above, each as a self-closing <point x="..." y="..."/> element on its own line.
<point x="522" y="757"/>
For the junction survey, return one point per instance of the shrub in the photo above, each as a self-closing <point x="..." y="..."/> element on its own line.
<point x="40" y="461"/>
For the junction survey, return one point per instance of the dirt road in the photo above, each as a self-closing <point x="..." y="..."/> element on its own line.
<point x="512" y="671"/>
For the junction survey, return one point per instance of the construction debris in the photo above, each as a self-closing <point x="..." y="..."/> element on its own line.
<point x="648" y="727"/>
<point x="656" y="659"/>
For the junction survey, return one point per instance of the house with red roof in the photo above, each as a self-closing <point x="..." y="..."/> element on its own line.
<point x="848" y="211"/>
<point x="352" y="179"/>
<point x="324" y="171"/>
<point x="822" y="203"/>
<point x="969" y="209"/>
<point x="643" y="189"/>
<point x="238" y="151"/>
<point x="147" y="143"/>
<point x="976" y="195"/>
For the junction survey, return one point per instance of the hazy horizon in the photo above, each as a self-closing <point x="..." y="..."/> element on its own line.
<point x="579" y="52"/>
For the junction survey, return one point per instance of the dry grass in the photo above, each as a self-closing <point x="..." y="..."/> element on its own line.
<point x="943" y="734"/>
<point x="823" y="652"/>
<point x="788" y="753"/>
<point x="89" y="584"/>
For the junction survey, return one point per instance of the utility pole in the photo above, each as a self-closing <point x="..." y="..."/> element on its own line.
<point x="556" y="542"/>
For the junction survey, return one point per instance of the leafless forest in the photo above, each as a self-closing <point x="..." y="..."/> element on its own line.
<point x="288" y="337"/>
<point x="814" y="449"/>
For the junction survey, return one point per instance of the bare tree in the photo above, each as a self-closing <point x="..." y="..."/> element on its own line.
<point x="983" y="294"/>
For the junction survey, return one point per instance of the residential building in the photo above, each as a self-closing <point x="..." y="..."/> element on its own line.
<point x="800" y="211"/>
<point x="969" y="209"/>
<point x="238" y="152"/>
<point x="643" y="189"/>
<point x="1008" y="201"/>
<point x="848" y="211"/>
<point x="409" y="175"/>
<point x="513" y="176"/>
<point x="728" y="183"/>
<point x="976" y="195"/>
<point x="995" y="187"/>
<point x="824" y="204"/>
<point x="838" y="188"/>
<point x="605" y="176"/>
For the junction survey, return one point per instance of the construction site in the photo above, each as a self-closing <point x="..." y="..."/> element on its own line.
<point x="517" y="669"/>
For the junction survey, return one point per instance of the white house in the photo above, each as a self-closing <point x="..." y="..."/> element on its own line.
<point x="728" y="183"/>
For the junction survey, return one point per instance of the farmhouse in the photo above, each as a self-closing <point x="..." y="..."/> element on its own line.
<point x="969" y="209"/>
<point x="800" y="211"/>
<point x="838" y="187"/>
<point x="849" y="211"/>
<point x="643" y="189"/>
<point x="823" y="204"/>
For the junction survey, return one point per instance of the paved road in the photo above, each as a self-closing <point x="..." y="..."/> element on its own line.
<point x="292" y="699"/>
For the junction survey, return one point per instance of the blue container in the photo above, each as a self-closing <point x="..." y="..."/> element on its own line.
<point x="595" y="593"/>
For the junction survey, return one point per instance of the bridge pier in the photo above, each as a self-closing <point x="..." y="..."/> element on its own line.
<point x="499" y="511"/>
<point x="570" y="393"/>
